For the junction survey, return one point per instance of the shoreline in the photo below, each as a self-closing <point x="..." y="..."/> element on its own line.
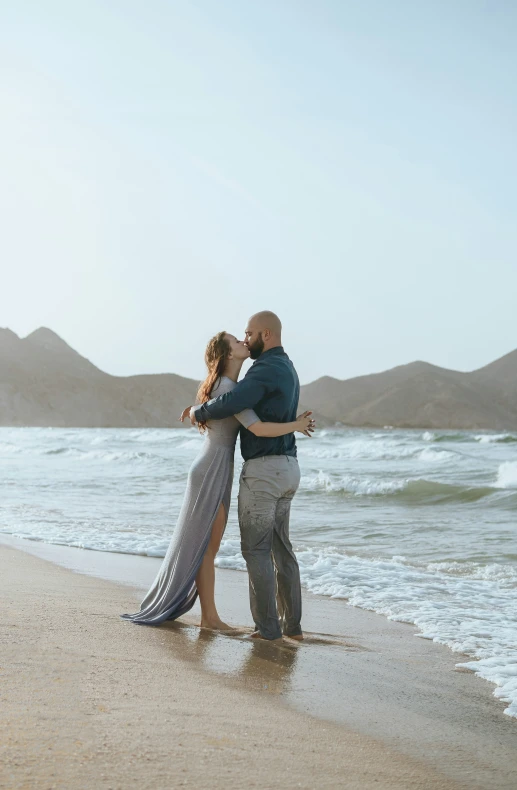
<point x="359" y="674"/>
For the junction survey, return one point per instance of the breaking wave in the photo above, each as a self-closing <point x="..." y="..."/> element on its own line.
<point x="417" y="491"/>
<point x="484" y="438"/>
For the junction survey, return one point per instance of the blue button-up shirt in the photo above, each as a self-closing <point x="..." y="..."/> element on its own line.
<point x="272" y="389"/>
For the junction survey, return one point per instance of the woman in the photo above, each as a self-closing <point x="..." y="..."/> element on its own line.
<point x="188" y="567"/>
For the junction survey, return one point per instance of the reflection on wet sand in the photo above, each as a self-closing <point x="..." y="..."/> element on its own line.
<point x="291" y="669"/>
<point x="253" y="664"/>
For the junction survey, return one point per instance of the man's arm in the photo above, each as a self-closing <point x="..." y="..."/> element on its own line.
<point x="248" y="392"/>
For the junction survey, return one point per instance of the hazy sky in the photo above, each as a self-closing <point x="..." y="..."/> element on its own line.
<point x="169" y="168"/>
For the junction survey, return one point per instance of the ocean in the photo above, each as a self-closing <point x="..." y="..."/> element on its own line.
<point x="420" y="526"/>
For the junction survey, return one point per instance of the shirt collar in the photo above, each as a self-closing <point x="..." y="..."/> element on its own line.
<point x="271" y="351"/>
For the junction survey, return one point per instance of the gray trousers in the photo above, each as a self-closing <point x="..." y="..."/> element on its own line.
<point x="267" y="487"/>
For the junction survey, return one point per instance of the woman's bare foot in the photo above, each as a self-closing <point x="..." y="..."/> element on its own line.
<point x="298" y="637"/>
<point x="216" y="625"/>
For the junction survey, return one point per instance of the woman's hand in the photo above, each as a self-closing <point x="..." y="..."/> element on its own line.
<point x="305" y="424"/>
<point x="185" y="413"/>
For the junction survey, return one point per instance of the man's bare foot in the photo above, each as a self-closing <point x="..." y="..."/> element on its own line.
<point x="215" y="625"/>
<point x="298" y="637"/>
<point x="258" y="635"/>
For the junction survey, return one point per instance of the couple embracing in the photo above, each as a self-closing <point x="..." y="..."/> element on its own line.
<point x="263" y="407"/>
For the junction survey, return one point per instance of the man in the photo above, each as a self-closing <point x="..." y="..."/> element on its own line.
<point x="269" y="479"/>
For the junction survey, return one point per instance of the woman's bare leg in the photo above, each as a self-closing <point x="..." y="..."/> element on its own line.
<point x="205" y="579"/>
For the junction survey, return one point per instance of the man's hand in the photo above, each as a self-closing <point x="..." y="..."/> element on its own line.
<point x="193" y="416"/>
<point x="185" y="413"/>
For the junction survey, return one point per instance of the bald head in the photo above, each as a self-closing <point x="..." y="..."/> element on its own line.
<point x="264" y="331"/>
<point x="267" y="320"/>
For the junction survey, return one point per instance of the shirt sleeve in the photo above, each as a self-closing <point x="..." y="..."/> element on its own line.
<point x="247" y="417"/>
<point x="248" y="392"/>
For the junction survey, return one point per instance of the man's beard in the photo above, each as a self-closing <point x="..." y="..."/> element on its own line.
<point x="257" y="348"/>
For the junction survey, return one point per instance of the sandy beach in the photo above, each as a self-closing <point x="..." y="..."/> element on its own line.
<point x="89" y="700"/>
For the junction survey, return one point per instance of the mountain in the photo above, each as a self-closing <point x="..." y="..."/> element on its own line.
<point x="45" y="382"/>
<point x="421" y="395"/>
<point x="503" y="370"/>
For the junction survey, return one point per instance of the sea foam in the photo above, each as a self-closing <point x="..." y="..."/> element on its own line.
<point x="507" y="475"/>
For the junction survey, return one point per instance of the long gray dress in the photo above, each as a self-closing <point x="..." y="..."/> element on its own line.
<point x="209" y="484"/>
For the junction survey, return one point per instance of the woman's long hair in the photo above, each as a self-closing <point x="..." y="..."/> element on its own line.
<point x="216" y="355"/>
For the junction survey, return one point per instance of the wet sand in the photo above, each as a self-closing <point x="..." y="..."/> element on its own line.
<point x="89" y="700"/>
